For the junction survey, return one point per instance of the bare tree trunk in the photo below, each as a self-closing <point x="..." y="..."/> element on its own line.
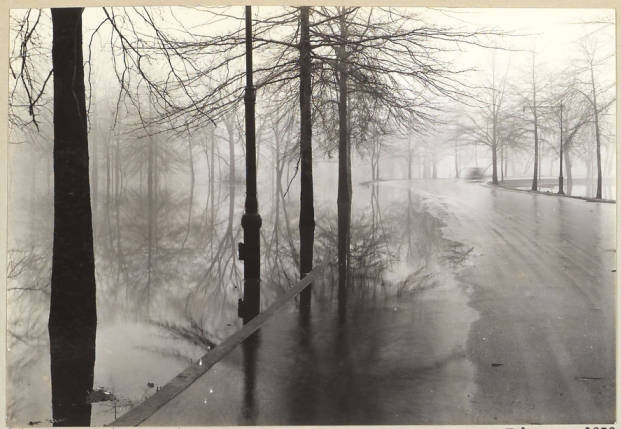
<point x="156" y="189"/>
<point x="150" y="219"/>
<point x="212" y="184"/>
<point x="598" y="193"/>
<point x="307" y="210"/>
<point x="192" y="180"/>
<point x="502" y="163"/>
<point x="117" y="208"/>
<point x="73" y="312"/>
<point x="231" y="138"/>
<point x="568" y="166"/>
<point x="108" y="216"/>
<point x="456" y="161"/>
<point x="534" y="187"/>
<point x="344" y="194"/>
<point x="410" y="158"/>
<point x="33" y="196"/>
<point x="494" y="163"/>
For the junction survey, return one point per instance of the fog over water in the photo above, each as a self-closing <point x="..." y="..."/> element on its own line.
<point x="432" y="239"/>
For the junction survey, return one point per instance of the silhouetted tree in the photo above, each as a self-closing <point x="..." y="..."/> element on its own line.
<point x="73" y="315"/>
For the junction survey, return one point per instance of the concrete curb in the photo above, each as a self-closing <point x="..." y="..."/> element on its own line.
<point x="549" y="194"/>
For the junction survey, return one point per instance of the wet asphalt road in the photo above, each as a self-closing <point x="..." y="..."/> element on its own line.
<point x="517" y="326"/>
<point x="543" y="285"/>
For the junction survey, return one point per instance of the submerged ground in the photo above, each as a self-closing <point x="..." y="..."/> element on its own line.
<point x="467" y="304"/>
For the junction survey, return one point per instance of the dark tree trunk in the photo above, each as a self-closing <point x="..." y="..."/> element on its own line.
<point x="73" y="313"/>
<point x="598" y="193"/>
<point x="344" y="189"/>
<point x="494" y="164"/>
<point x="307" y="210"/>
<point x="534" y="186"/>
<point x="568" y="165"/>
<point x="502" y="163"/>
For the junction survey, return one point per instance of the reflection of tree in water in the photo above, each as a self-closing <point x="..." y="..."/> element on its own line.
<point x="28" y="295"/>
<point x="190" y="331"/>
<point x="370" y="252"/>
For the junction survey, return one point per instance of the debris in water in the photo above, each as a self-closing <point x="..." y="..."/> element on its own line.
<point x="100" y="395"/>
<point x="588" y="378"/>
<point x="494" y="364"/>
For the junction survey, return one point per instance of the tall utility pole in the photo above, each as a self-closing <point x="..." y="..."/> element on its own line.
<point x="560" y="175"/>
<point x="250" y="249"/>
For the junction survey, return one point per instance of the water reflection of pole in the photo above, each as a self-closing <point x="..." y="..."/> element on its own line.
<point x="249" y="349"/>
<point x="249" y="250"/>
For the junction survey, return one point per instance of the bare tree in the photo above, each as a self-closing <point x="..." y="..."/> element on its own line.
<point x="594" y="95"/>
<point x="73" y="314"/>
<point x="486" y="129"/>
<point x="307" y="210"/>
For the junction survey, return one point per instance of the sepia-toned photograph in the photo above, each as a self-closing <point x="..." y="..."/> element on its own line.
<point x="311" y="215"/>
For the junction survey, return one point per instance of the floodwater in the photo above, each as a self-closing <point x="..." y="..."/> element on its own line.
<point x="394" y="354"/>
<point x="154" y="321"/>
<point x="410" y="348"/>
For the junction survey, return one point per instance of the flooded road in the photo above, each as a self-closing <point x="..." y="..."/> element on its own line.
<point x="465" y="304"/>
<point x="542" y="281"/>
<point x="514" y="326"/>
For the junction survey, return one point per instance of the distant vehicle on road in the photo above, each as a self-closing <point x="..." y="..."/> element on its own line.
<point x="474" y="174"/>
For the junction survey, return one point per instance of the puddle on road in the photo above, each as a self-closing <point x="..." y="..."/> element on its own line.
<point x="443" y="316"/>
